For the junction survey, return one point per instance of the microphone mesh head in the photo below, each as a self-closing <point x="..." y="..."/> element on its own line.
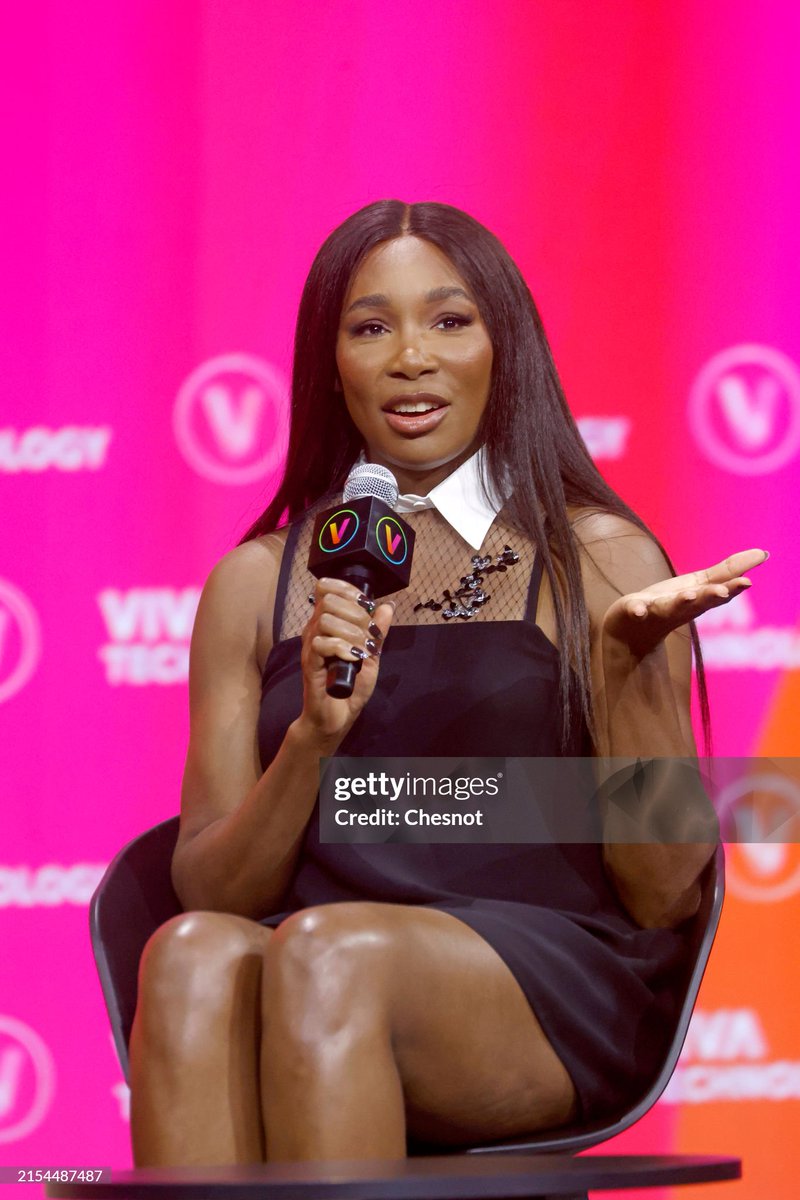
<point x="370" y="479"/>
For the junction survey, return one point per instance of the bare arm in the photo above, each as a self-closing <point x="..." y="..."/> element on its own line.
<point x="641" y="677"/>
<point x="241" y="830"/>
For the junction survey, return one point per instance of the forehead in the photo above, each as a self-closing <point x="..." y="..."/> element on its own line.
<point x="402" y="268"/>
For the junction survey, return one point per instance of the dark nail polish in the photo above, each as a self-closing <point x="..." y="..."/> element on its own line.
<point x="359" y="653"/>
<point x="366" y="603"/>
<point x="373" y="647"/>
<point x="373" y="629"/>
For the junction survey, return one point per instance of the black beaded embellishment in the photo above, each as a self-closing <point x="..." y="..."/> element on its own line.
<point x="470" y="596"/>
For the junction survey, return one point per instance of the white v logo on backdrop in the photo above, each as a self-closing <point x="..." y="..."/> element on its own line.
<point x="750" y="411"/>
<point x="4" y="623"/>
<point x="231" y="419"/>
<point x="11" y="1063"/>
<point x="744" y="409"/>
<point x="765" y="858"/>
<point x="235" y="426"/>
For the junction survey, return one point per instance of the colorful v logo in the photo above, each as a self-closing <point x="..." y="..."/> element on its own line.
<point x="390" y="542"/>
<point x="336" y="533"/>
<point x="339" y="530"/>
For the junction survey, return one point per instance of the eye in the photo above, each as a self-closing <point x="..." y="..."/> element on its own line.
<point x="453" y="321"/>
<point x="368" y="328"/>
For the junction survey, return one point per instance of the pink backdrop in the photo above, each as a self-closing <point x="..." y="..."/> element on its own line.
<point x="172" y="168"/>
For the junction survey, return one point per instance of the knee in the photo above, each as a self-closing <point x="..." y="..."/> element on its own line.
<point x="325" y="967"/>
<point x="191" y="966"/>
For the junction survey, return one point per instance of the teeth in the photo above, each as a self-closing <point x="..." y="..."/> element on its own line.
<point x="420" y="407"/>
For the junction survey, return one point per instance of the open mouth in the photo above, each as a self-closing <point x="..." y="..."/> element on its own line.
<point x="422" y="402"/>
<point x="412" y="410"/>
<point x="415" y="414"/>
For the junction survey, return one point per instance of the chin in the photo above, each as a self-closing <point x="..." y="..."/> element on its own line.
<point x="415" y="454"/>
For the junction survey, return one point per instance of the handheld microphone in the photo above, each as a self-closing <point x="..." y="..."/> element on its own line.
<point x="364" y="542"/>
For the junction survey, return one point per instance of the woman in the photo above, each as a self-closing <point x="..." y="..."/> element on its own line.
<point x="322" y="1001"/>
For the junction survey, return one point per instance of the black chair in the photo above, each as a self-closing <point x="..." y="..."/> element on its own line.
<point x="135" y="896"/>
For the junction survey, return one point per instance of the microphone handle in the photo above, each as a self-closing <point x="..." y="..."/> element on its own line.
<point x="341" y="677"/>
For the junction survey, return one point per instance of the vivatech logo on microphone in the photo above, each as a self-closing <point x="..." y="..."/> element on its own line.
<point x="339" y="530"/>
<point x="230" y="419"/>
<point x="391" y="540"/>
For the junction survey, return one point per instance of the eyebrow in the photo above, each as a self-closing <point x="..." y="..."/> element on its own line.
<point x="435" y="296"/>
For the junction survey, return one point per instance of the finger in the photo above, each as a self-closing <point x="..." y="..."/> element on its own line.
<point x="382" y="618"/>
<point x="334" y="647"/>
<point x="661" y="607"/>
<point x="717" y="591"/>
<point x="332" y="626"/>
<point x="715" y="594"/>
<point x="730" y="568"/>
<point x="344" y="607"/>
<point x="347" y="590"/>
<point x="638" y="606"/>
<point x="686" y="602"/>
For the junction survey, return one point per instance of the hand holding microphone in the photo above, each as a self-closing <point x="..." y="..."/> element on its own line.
<point x="360" y="550"/>
<point x="341" y="633"/>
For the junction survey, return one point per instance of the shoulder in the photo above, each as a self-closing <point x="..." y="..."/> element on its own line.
<point x="617" y="557"/>
<point x="253" y="564"/>
<point x="608" y="537"/>
<point x="237" y="600"/>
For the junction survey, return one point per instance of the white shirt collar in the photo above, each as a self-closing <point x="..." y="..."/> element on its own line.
<point x="460" y="499"/>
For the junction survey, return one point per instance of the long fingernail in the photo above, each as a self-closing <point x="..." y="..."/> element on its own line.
<point x="373" y="629"/>
<point x="366" y="603"/>
<point x="373" y="647"/>
<point x="359" y="653"/>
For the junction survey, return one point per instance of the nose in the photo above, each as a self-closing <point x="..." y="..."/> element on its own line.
<point x="411" y="361"/>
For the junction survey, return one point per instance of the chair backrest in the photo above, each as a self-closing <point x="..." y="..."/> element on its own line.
<point x="135" y="896"/>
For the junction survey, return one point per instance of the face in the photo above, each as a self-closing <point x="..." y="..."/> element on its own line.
<point x="411" y="337"/>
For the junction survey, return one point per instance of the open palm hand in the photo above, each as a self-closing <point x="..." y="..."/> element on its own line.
<point x="641" y="620"/>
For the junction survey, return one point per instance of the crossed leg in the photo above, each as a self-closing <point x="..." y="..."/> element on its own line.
<point x="374" y="1019"/>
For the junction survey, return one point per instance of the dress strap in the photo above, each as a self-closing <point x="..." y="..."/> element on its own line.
<point x="533" y="589"/>
<point x="283" y="578"/>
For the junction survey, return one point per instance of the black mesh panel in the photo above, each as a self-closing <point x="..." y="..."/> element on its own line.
<point x="442" y="561"/>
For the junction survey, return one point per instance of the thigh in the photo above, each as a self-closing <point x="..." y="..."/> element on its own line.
<point x="472" y="1057"/>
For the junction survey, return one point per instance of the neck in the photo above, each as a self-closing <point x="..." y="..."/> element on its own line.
<point x="418" y="481"/>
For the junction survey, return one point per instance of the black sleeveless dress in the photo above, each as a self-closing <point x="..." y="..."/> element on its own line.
<point x="601" y="987"/>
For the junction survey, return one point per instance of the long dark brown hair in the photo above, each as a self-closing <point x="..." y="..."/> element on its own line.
<point x="529" y="434"/>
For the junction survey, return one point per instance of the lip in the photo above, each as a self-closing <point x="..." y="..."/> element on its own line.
<point x="414" y="398"/>
<point x="413" y="425"/>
